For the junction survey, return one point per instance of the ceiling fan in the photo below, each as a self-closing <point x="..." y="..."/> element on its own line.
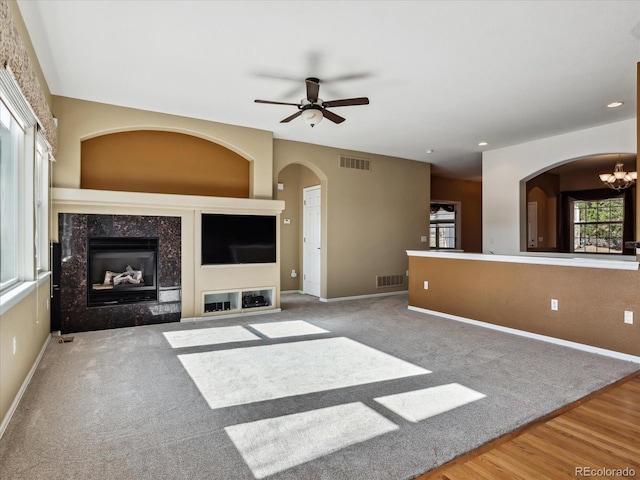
<point x="314" y="109"/>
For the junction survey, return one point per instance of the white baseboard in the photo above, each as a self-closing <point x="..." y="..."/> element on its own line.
<point x="284" y="292"/>
<point x="524" y="333"/>
<point x="357" y="297"/>
<point x="23" y="388"/>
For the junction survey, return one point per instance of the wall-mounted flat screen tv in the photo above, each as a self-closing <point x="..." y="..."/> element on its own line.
<point x="235" y="239"/>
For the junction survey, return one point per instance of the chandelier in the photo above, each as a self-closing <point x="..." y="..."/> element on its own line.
<point x="619" y="179"/>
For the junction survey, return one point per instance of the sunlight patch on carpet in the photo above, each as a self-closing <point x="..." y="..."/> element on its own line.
<point x="429" y="402"/>
<point x="287" y="329"/>
<point x="209" y="336"/>
<point x="253" y="374"/>
<point x="275" y="444"/>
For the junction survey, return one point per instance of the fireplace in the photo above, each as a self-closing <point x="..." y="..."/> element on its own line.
<point x="92" y="245"/>
<point x="121" y="270"/>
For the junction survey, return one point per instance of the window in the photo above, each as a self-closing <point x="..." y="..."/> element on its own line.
<point x="598" y="225"/>
<point x="24" y="197"/>
<point x="11" y="151"/>
<point x="41" y="192"/>
<point x="442" y="227"/>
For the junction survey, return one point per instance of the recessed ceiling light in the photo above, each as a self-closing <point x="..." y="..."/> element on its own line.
<point x="430" y="151"/>
<point x="482" y="144"/>
<point x="615" y="104"/>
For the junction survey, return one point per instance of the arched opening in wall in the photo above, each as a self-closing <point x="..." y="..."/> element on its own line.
<point x="293" y="181"/>
<point x="155" y="161"/>
<point x="570" y="210"/>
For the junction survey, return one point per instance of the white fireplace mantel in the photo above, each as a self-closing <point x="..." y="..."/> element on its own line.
<point x="78" y="197"/>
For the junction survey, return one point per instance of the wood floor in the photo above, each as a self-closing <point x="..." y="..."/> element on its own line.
<point x="596" y="437"/>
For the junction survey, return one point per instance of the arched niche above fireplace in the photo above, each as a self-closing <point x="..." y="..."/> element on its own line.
<point x="158" y="161"/>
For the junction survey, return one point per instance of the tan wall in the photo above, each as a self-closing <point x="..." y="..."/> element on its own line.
<point x="591" y="301"/>
<point x="638" y="156"/>
<point x="27" y="322"/>
<point x="469" y="194"/>
<point x="79" y="120"/>
<point x="156" y="161"/>
<point x="369" y="219"/>
<point x="294" y="178"/>
<point x="582" y="180"/>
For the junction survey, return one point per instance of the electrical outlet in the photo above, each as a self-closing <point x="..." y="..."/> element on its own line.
<point x="423" y="238"/>
<point x="554" y="304"/>
<point x="426" y="285"/>
<point x="628" y="317"/>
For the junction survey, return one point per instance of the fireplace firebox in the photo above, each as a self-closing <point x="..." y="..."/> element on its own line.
<point x="121" y="270"/>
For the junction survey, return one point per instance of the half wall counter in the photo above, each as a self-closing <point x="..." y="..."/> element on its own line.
<point x="588" y="301"/>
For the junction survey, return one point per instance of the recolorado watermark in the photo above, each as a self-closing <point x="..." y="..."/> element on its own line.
<point x="604" y="472"/>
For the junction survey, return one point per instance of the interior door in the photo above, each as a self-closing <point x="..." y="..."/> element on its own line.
<point x="311" y="241"/>
<point x="532" y="224"/>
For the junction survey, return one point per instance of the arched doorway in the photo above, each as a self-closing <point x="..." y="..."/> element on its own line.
<point x="292" y="181"/>
<point x="576" y="212"/>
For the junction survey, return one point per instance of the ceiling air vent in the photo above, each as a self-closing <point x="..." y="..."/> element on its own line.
<point x="355" y="163"/>
<point x="390" y="281"/>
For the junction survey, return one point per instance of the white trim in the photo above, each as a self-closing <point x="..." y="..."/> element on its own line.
<point x="623" y="264"/>
<point x="70" y="197"/>
<point x="22" y="290"/>
<point x="291" y="291"/>
<point x="536" y="336"/>
<point x="16" y="101"/>
<point x="229" y="315"/>
<point x="23" y="388"/>
<point x="12" y="297"/>
<point x="357" y="297"/>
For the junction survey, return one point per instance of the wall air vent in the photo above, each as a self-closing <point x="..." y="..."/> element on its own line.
<point x="355" y="163"/>
<point x="390" y="281"/>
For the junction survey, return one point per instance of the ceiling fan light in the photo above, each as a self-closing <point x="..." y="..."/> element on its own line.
<point x="312" y="116"/>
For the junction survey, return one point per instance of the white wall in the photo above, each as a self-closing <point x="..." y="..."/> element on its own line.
<point x="505" y="170"/>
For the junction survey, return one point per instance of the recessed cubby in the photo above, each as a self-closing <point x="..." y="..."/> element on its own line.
<point x="226" y="302"/>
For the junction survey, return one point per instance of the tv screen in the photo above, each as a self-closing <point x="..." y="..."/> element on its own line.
<point x="233" y="239"/>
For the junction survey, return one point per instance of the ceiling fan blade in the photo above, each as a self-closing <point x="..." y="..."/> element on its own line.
<point x="349" y="76"/>
<point x="346" y="102"/>
<point x="313" y="87"/>
<point x="332" y="116"/>
<point x="276" y="103"/>
<point x="295" y="115"/>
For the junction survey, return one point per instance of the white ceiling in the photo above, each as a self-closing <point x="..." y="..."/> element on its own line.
<point x="440" y="75"/>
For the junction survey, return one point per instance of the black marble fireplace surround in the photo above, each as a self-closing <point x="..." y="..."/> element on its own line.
<point x="74" y="232"/>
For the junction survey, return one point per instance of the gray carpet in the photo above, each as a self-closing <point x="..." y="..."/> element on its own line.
<point x="119" y="404"/>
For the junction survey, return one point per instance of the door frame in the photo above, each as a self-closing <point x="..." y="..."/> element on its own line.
<point x="304" y="244"/>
